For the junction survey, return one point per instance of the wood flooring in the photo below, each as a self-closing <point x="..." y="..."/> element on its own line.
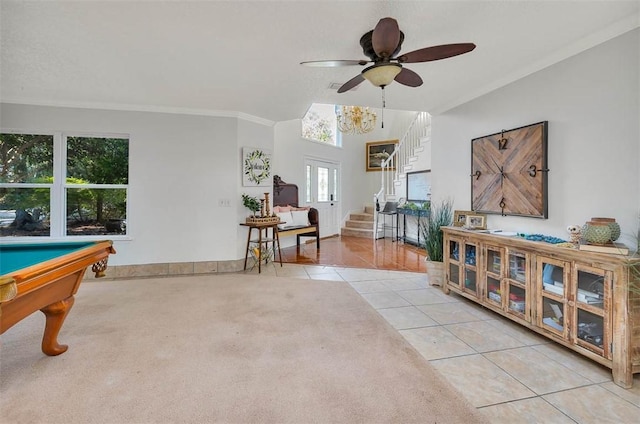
<point x="358" y="252"/>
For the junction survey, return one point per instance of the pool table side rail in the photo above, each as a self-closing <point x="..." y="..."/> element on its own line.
<point x="29" y="278"/>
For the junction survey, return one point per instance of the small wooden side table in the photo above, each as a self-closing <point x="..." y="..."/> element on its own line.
<point x="263" y="241"/>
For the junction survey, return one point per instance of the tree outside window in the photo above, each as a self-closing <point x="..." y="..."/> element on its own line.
<point x="93" y="194"/>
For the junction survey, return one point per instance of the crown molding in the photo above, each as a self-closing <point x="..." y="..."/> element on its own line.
<point x="144" y="108"/>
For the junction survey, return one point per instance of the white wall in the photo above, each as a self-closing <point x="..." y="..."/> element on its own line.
<point x="180" y="167"/>
<point x="591" y="101"/>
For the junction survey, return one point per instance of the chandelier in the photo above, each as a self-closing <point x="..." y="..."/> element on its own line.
<point x="356" y="120"/>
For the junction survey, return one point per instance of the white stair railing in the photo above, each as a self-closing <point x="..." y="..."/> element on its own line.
<point x="398" y="162"/>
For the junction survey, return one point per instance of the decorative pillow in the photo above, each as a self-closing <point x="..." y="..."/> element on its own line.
<point x="300" y="218"/>
<point x="278" y="209"/>
<point x="305" y="208"/>
<point x="286" y="220"/>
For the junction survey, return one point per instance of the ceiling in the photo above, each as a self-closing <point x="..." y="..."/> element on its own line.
<point x="242" y="57"/>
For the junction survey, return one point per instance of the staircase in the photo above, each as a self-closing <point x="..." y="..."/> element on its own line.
<point x="359" y="224"/>
<point x="392" y="177"/>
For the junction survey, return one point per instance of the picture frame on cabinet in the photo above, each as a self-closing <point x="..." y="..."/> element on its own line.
<point x="476" y="222"/>
<point x="460" y="218"/>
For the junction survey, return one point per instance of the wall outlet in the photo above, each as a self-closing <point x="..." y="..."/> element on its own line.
<point x="224" y="203"/>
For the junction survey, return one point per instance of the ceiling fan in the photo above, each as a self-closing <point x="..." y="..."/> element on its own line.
<point x="382" y="45"/>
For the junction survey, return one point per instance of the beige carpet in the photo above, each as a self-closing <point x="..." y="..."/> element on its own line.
<point x="229" y="348"/>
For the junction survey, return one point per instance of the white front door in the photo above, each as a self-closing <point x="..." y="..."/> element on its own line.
<point x="322" y="191"/>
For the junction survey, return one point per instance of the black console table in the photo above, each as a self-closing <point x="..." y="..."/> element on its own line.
<point x="419" y="214"/>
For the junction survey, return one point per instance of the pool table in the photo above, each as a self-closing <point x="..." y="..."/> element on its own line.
<point x="45" y="277"/>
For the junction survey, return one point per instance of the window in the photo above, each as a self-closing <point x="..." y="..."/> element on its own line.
<point x="319" y="124"/>
<point x="63" y="185"/>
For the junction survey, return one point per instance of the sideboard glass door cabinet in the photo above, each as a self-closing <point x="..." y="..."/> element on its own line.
<point x="576" y="298"/>
<point x="462" y="267"/>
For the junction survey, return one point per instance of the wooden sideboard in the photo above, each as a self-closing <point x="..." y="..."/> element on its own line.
<point x="576" y="298"/>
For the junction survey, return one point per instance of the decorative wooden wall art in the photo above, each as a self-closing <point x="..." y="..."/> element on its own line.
<point x="509" y="172"/>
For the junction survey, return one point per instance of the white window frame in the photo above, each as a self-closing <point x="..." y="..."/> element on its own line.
<point x="58" y="198"/>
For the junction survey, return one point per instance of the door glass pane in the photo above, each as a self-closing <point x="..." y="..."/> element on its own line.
<point x="454" y="250"/>
<point x="591" y="289"/>
<point x="590" y="328"/>
<point x="323" y="184"/>
<point x="553" y="313"/>
<point x="470" y="279"/>
<point x="308" y="184"/>
<point x="553" y="279"/>
<point x="493" y="261"/>
<point x="454" y="274"/>
<point x="493" y="290"/>
<point x="24" y="212"/>
<point x="26" y="158"/>
<point x="517" y="267"/>
<point x="470" y="254"/>
<point x="335" y="184"/>
<point x="96" y="211"/>
<point x="516" y="298"/>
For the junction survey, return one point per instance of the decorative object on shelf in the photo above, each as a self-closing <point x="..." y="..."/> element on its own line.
<point x="460" y="217"/>
<point x="379" y="151"/>
<point x="441" y="215"/>
<point x="612" y="248"/>
<point x="266" y="203"/>
<point x="613" y="226"/>
<point x="509" y="172"/>
<point x="256" y="167"/>
<point x="596" y="232"/>
<point x="255" y="205"/>
<point x="575" y="233"/>
<point x="475" y="222"/>
<point x="262" y="219"/>
<point x="542" y="237"/>
<point x="355" y="120"/>
<point x="251" y="203"/>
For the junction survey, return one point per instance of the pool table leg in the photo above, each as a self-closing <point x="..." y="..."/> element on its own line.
<point x="55" y="314"/>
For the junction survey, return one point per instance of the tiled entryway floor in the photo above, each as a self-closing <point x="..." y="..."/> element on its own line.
<point x="511" y="374"/>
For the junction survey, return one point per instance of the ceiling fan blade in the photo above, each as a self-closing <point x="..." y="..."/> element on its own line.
<point x="351" y="83"/>
<point x="409" y="78"/>
<point x="436" y="53"/>
<point x="386" y="37"/>
<point x="333" y="63"/>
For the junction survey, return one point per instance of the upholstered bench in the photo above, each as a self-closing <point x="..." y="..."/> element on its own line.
<point x="297" y="221"/>
<point x="300" y="222"/>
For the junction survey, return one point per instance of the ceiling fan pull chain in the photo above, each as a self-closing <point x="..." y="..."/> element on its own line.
<point x="384" y="103"/>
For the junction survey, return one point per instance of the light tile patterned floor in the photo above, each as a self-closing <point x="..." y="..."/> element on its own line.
<point x="511" y="374"/>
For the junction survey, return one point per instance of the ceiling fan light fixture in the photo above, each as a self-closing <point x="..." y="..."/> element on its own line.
<point x="382" y="75"/>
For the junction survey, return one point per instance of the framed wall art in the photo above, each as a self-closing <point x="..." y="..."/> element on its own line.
<point x="256" y="167"/>
<point x="379" y="151"/>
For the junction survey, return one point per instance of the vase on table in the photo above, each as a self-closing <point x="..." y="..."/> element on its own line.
<point x="597" y="232"/>
<point x="613" y="226"/>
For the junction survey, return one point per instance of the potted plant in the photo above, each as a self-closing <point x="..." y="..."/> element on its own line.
<point x="440" y="215"/>
<point x="251" y="203"/>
